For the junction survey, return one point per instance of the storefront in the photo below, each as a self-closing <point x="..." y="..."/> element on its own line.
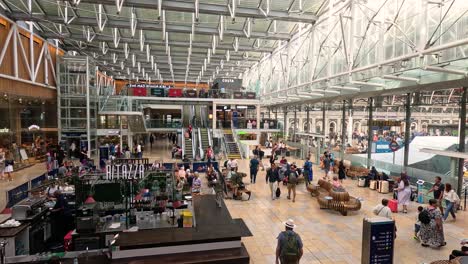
<point x="27" y="123"/>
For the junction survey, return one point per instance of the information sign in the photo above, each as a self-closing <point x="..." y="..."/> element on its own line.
<point x="382" y="147"/>
<point x="377" y="240"/>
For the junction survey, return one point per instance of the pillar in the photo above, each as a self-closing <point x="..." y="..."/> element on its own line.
<point x="407" y="128"/>
<point x="350" y="122"/>
<point x="285" y="127"/>
<point x="323" y="123"/>
<point x="308" y="120"/>
<point x="313" y="125"/>
<point x="214" y="116"/>
<point x="343" y="128"/>
<point x="258" y="116"/>
<point x="295" y="124"/>
<point x="369" y="133"/>
<point x="461" y="140"/>
<point x="276" y="118"/>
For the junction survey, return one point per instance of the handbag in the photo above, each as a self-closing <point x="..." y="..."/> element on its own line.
<point x="278" y="192"/>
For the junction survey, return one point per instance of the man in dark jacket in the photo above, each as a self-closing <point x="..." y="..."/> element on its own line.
<point x="272" y="178"/>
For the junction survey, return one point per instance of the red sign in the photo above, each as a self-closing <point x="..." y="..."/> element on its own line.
<point x="394" y="145"/>
<point x="139" y="91"/>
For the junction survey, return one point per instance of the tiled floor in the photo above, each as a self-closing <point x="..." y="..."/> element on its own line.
<point x="328" y="236"/>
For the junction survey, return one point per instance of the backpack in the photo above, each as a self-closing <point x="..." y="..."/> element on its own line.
<point x="292" y="178"/>
<point x="424" y="217"/>
<point x="291" y="247"/>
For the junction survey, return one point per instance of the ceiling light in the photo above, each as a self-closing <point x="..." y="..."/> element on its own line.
<point x="345" y="88"/>
<point x="444" y="70"/>
<point x="400" y="78"/>
<point x="368" y="83"/>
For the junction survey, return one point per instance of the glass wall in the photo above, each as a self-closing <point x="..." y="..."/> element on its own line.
<point x="28" y="123"/>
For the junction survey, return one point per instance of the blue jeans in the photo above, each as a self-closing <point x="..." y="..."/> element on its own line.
<point x="449" y="209"/>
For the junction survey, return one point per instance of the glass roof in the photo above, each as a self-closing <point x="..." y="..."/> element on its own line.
<point x="248" y="30"/>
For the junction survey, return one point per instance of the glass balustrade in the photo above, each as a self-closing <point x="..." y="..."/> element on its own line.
<point x="163" y="123"/>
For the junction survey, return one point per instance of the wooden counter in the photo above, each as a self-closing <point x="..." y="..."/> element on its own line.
<point x="215" y="239"/>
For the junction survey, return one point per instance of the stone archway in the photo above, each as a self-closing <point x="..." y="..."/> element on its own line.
<point x="332" y="127"/>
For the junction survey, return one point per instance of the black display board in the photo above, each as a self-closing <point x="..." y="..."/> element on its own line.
<point x="229" y="83"/>
<point x="377" y="241"/>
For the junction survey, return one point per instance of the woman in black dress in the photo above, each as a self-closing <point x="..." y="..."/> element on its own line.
<point x="341" y="171"/>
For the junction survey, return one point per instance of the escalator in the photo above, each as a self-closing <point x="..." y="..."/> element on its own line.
<point x="231" y="145"/>
<point x="188" y="148"/>
<point x="204" y="138"/>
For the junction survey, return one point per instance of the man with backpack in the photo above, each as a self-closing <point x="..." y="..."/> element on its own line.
<point x="289" y="248"/>
<point x="308" y="173"/>
<point x="292" y="176"/>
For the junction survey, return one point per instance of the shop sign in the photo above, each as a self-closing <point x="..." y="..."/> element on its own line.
<point x="113" y="132"/>
<point x="229" y="83"/>
<point x="385" y="123"/>
<point x="145" y="85"/>
<point x="125" y="171"/>
<point x="4" y="130"/>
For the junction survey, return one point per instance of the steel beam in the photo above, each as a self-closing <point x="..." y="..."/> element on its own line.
<point x="151" y="26"/>
<point x="161" y="57"/>
<point x="369" y="132"/>
<point x="461" y="141"/>
<point x="213" y="9"/>
<point x="155" y="42"/>
<point x="407" y="129"/>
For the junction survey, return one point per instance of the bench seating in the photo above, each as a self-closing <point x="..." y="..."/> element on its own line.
<point x="341" y="202"/>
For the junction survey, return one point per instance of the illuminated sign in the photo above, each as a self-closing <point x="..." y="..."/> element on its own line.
<point x="4" y="130"/>
<point x="34" y="127"/>
<point x="145" y="85"/>
<point x="125" y="171"/>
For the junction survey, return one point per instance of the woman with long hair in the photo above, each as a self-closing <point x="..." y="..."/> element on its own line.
<point x="404" y="193"/>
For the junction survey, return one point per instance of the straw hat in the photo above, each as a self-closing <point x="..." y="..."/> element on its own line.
<point x="290" y="223"/>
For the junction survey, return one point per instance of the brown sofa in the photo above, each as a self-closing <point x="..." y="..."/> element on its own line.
<point x="341" y="202"/>
<point x="355" y="171"/>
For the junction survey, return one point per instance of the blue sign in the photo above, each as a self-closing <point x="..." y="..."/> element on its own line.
<point x="17" y="194"/>
<point x="38" y="180"/>
<point x="378" y="241"/>
<point x="382" y="146"/>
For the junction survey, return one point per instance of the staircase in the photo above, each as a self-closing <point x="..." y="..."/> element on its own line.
<point x="231" y="145"/>
<point x="188" y="149"/>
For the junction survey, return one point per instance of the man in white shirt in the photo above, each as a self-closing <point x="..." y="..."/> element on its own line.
<point x="232" y="164"/>
<point x="383" y="210"/>
<point x="140" y="154"/>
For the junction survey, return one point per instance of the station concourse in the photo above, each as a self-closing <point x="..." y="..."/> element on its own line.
<point x="131" y="131"/>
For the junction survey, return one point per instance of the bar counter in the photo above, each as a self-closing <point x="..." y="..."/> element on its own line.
<point x="215" y="239"/>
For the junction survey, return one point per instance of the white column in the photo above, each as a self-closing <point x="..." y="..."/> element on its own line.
<point x="313" y="125"/>
<point x="214" y="116"/>
<point x="258" y="115"/>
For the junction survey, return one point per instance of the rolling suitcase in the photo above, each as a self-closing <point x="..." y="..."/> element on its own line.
<point x="362" y="182"/>
<point x="393" y="205"/>
<point x="372" y="185"/>
<point x="383" y="187"/>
